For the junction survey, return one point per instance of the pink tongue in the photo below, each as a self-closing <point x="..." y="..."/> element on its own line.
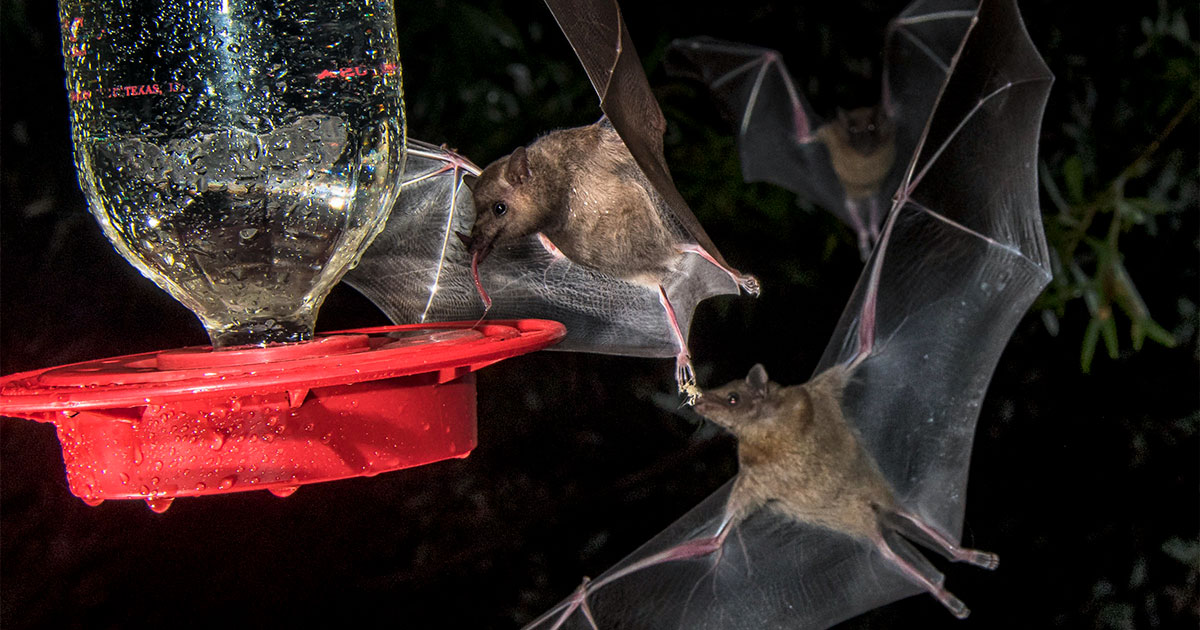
<point x="487" y="300"/>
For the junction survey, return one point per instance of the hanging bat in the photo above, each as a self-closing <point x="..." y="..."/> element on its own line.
<point x="840" y="476"/>
<point x="850" y="165"/>
<point x="583" y="225"/>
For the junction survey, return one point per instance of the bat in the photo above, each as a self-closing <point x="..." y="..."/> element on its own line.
<point x="584" y="225"/>
<point x="840" y="476"/>
<point x="850" y="165"/>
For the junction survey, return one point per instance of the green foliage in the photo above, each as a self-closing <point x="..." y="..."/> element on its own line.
<point x="1093" y="209"/>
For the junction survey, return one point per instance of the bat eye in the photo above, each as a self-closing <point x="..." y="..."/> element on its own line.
<point x="500" y="208"/>
<point x="871" y="127"/>
<point x="733" y="399"/>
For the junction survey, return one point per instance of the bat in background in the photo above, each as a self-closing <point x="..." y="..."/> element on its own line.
<point x="838" y="477"/>
<point x="584" y="225"/>
<point x="851" y="165"/>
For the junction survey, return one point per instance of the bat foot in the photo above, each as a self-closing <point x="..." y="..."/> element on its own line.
<point x="982" y="559"/>
<point x="953" y="604"/>
<point x="685" y="377"/>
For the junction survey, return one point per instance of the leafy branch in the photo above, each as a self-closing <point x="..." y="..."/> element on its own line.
<point x="1109" y="284"/>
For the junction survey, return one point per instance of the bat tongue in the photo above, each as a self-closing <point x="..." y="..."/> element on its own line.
<point x="483" y="295"/>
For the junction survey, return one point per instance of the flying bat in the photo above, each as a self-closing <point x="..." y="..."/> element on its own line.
<point x="850" y="165"/>
<point x="842" y="477"/>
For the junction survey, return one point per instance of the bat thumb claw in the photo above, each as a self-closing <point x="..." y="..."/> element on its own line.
<point x="750" y="284"/>
<point x="465" y="238"/>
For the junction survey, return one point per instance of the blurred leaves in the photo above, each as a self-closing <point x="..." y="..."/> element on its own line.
<point x="1094" y="210"/>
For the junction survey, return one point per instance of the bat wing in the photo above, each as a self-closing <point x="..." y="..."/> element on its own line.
<point x="417" y="271"/>
<point x="917" y="51"/>
<point x="961" y="258"/>
<point x="773" y="121"/>
<point x="597" y="33"/>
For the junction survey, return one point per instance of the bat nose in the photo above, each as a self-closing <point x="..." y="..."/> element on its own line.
<point x="466" y="240"/>
<point x="478" y="246"/>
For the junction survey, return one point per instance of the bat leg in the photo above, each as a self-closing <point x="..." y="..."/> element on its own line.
<point x="685" y="376"/>
<point x="866" y="236"/>
<point x="918" y="530"/>
<point x="876" y="219"/>
<point x="917" y="568"/>
<point x="745" y="281"/>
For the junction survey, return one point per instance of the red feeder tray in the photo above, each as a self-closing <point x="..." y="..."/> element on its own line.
<point x="194" y="421"/>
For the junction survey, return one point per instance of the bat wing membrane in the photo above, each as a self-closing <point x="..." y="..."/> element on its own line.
<point x="417" y="271"/>
<point x="917" y="51"/>
<point x="773" y="121"/>
<point x="771" y="573"/>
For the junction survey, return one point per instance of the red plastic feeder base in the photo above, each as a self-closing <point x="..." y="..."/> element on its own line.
<point x="196" y="421"/>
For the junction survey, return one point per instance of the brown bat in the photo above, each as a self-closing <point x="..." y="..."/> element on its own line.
<point x="583" y="194"/>
<point x="583" y="225"/>
<point x="862" y="150"/>
<point x="851" y="165"/>
<point x="799" y="456"/>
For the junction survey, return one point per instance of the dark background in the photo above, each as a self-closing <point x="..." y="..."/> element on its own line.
<point x="1085" y="484"/>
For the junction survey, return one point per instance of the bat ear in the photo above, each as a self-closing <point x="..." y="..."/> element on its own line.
<point x="879" y="115"/>
<point x="518" y="167"/>
<point x="757" y="379"/>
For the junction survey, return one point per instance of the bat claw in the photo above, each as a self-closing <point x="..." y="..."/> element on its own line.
<point x="685" y="376"/>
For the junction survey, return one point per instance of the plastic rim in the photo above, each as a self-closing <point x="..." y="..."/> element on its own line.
<point x="195" y="421"/>
<point x="336" y="358"/>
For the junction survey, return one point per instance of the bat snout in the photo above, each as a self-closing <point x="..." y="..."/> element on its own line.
<point x="704" y="405"/>
<point x="466" y="240"/>
<point x="477" y="245"/>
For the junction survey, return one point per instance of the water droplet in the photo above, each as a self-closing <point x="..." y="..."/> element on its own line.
<point x="160" y="504"/>
<point x="124" y="478"/>
<point x="227" y="482"/>
<point x="247" y="234"/>
<point x="91" y="501"/>
<point x="215" y="439"/>
<point x="284" y="491"/>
